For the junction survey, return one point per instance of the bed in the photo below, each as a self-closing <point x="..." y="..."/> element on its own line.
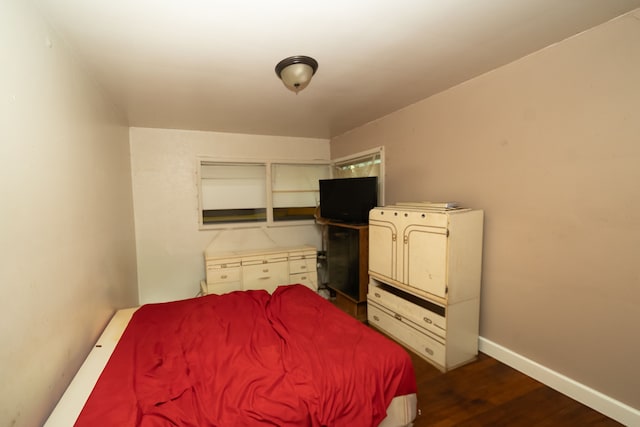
<point x="243" y="359"/>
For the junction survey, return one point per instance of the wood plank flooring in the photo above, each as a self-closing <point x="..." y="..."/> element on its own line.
<point x="489" y="393"/>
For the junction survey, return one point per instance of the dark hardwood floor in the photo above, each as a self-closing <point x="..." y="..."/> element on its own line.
<point x="487" y="392"/>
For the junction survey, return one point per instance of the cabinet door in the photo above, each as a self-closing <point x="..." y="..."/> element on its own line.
<point x="343" y="260"/>
<point x="425" y="259"/>
<point x="383" y="248"/>
<point x="267" y="276"/>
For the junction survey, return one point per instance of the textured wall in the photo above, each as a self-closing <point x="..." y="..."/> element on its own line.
<point x="549" y="146"/>
<point x="170" y="245"/>
<point x="66" y="235"/>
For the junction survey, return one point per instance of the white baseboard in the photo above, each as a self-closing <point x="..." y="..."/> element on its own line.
<point x="612" y="408"/>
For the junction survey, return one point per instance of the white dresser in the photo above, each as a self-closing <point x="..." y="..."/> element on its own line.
<point x="425" y="267"/>
<point x="259" y="269"/>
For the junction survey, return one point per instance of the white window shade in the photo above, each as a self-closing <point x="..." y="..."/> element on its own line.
<point x="231" y="186"/>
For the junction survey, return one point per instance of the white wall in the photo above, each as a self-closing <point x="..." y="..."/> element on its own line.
<point x="549" y="147"/>
<point x="169" y="244"/>
<point x="67" y="237"/>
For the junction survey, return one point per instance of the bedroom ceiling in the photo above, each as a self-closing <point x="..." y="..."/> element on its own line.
<point x="209" y="64"/>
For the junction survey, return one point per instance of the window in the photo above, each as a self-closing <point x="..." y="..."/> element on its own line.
<point x="367" y="163"/>
<point x="295" y="190"/>
<point x="258" y="193"/>
<point x="239" y="193"/>
<point x="233" y="193"/>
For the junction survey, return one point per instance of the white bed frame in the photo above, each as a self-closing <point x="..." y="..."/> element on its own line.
<point x="400" y="413"/>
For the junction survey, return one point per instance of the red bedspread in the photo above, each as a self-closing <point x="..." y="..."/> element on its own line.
<point x="248" y="359"/>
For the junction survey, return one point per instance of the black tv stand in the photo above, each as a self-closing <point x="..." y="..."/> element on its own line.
<point x="348" y="266"/>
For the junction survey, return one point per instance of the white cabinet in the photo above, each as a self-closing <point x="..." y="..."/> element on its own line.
<point x="434" y="253"/>
<point x="425" y="267"/>
<point x="259" y="269"/>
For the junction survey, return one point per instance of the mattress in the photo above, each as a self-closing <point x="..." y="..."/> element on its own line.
<point x="300" y="364"/>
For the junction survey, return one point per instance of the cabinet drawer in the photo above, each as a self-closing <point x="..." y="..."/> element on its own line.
<point x="394" y="325"/>
<point x="310" y="280"/>
<point x="302" y="266"/>
<point x="422" y="312"/>
<point x="223" y="275"/>
<point x="401" y="216"/>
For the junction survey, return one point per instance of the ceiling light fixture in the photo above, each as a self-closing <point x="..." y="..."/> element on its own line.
<point x="296" y="71"/>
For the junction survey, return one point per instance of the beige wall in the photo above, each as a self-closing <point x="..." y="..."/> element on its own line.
<point x="549" y="146"/>
<point x="66" y="234"/>
<point x="169" y="244"/>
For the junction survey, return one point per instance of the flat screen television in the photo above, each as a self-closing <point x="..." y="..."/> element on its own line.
<point x="348" y="199"/>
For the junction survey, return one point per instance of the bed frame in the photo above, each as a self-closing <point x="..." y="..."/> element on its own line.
<point x="401" y="410"/>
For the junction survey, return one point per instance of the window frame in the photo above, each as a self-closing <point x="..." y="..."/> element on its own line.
<point x="268" y="164"/>
<point x="270" y="222"/>
<point x="364" y="156"/>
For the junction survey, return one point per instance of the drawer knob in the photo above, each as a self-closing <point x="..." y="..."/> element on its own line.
<point x="303" y="267"/>
<point x="429" y="321"/>
<point x="376" y="318"/>
<point x="224" y="276"/>
<point x="303" y="278"/>
<point x="397" y="316"/>
<point x="377" y="295"/>
<point x="429" y="351"/>
<point x="265" y="270"/>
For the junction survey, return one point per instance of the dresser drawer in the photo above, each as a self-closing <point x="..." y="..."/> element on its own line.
<point x="302" y="265"/>
<point x="264" y="259"/>
<point x="223" y="288"/>
<point x="223" y="275"/>
<point x="310" y="280"/>
<point x="429" y="347"/>
<point x="265" y="276"/>
<point x="424" y="313"/>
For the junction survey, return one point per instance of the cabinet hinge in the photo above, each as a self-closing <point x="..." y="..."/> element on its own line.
<point x="447" y="232"/>
<point x="446" y="290"/>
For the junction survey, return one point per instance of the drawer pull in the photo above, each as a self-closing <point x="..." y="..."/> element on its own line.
<point x="377" y="295"/>
<point x="429" y="351"/>
<point x="303" y="278"/>
<point x="429" y="321"/>
<point x="265" y="270"/>
<point x="303" y="267"/>
<point x="224" y="276"/>
<point x="397" y="316"/>
<point x="376" y="318"/>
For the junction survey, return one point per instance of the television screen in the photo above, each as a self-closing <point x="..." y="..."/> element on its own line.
<point x="348" y="199"/>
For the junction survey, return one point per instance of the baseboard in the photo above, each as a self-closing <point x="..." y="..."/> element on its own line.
<point x="612" y="408"/>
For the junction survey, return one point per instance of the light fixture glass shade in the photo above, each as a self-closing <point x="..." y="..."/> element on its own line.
<point x="296" y="72"/>
<point x="297" y="76"/>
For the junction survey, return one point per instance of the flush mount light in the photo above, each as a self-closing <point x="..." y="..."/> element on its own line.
<point x="296" y="71"/>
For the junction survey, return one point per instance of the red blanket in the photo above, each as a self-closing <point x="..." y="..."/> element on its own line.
<point x="248" y="359"/>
